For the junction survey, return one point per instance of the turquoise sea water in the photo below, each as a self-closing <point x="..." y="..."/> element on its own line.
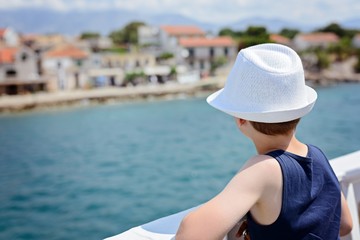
<point x="93" y="172"/>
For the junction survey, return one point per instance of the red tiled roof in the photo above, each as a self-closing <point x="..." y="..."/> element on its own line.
<point x="67" y="51"/>
<point x="2" y="32"/>
<point x="279" y="39"/>
<point x="319" y="37"/>
<point x="207" y="42"/>
<point x="7" y="55"/>
<point x="182" y="30"/>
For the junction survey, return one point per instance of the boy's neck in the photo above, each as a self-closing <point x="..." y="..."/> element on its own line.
<point x="289" y="143"/>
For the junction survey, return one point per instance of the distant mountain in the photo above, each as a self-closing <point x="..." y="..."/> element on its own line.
<point x="176" y="19"/>
<point x="352" y="23"/>
<point x="41" y="20"/>
<point x="74" y="22"/>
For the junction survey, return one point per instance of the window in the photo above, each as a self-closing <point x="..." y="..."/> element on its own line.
<point x="10" y="73"/>
<point x="226" y="51"/>
<point x="191" y="52"/>
<point x="212" y="52"/>
<point x="24" y="57"/>
<point x="202" y="64"/>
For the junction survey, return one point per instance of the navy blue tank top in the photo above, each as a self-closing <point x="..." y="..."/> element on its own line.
<point x="311" y="202"/>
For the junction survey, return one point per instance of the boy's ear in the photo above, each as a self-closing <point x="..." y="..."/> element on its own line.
<point x="240" y="122"/>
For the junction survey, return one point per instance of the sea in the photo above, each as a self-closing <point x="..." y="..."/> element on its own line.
<point x="95" y="171"/>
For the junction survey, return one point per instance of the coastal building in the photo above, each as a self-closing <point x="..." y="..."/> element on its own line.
<point x="65" y="66"/>
<point x="171" y="35"/>
<point x="128" y="62"/>
<point x="110" y="69"/>
<point x="356" y="41"/>
<point x="148" y="36"/>
<point x="19" y="71"/>
<point x="9" y="37"/>
<point x="276" y="38"/>
<point x="305" y="41"/>
<point x="99" y="43"/>
<point x="205" y="54"/>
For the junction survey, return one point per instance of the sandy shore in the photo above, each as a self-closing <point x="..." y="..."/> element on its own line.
<point x="75" y="97"/>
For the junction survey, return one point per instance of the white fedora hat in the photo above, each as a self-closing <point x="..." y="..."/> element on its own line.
<point x="266" y="84"/>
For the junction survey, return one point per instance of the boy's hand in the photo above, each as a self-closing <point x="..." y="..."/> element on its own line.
<point x="243" y="231"/>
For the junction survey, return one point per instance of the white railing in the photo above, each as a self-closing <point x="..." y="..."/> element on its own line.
<point x="347" y="169"/>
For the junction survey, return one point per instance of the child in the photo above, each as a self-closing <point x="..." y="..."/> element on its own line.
<point x="288" y="190"/>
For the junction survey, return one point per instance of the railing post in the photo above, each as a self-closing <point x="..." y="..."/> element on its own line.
<point x="349" y="192"/>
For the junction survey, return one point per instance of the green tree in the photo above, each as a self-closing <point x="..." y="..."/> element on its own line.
<point x="342" y="49"/>
<point x="254" y="35"/>
<point x="357" y="64"/>
<point x="216" y="63"/>
<point x="117" y="37"/>
<point x="323" y="59"/>
<point x="89" y="35"/>
<point x="256" y="31"/>
<point x="166" y="56"/>
<point x="333" y="28"/>
<point x="128" y="34"/>
<point x="289" y="33"/>
<point x="227" y="32"/>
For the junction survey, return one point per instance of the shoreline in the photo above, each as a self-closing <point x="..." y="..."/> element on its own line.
<point x="78" y="98"/>
<point x="31" y="102"/>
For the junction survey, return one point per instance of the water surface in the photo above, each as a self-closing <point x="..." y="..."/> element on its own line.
<point x="97" y="171"/>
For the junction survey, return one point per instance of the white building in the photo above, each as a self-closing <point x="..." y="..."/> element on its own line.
<point x="356" y="41"/>
<point x="148" y="35"/>
<point x="201" y="53"/>
<point x="170" y="36"/>
<point x="9" y="37"/>
<point x="19" y="71"/>
<point x="18" y="63"/>
<point x="305" y="41"/>
<point x="65" y="65"/>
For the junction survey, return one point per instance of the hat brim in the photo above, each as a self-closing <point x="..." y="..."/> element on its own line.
<point x="220" y="103"/>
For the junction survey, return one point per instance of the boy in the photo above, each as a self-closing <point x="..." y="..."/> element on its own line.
<point x="288" y="191"/>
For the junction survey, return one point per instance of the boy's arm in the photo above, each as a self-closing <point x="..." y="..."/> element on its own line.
<point x="346" y="223"/>
<point x="215" y="219"/>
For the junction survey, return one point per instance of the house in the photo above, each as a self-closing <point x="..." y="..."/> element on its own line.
<point x="99" y="43"/>
<point x="9" y="37"/>
<point x="276" y="38"/>
<point x="148" y="35"/>
<point x="19" y="71"/>
<point x="123" y="64"/>
<point x="170" y="36"/>
<point x="202" y="53"/>
<point x="304" y="41"/>
<point x="128" y="62"/>
<point x="66" y="66"/>
<point x="356" y="41"/>
<point x="44" y="42"/>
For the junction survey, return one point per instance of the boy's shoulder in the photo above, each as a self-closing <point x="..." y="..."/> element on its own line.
<point x="259" y="166"/>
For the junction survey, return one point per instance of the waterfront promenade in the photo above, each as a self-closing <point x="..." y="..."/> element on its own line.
<point x="20" y="103"/>
<point x="99" y="95"/>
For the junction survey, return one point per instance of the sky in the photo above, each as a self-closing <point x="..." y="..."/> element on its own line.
<point x="214" y="11"/>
